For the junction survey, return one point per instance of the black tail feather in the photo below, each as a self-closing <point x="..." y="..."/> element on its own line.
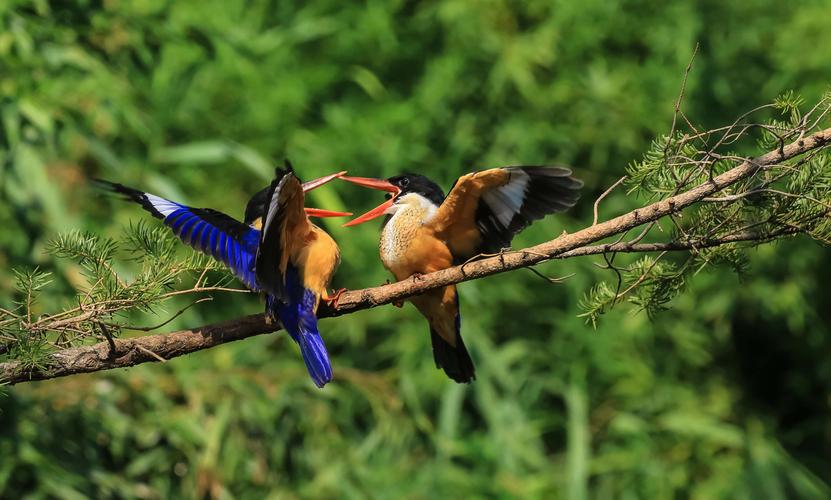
<point x="455" y="361"/>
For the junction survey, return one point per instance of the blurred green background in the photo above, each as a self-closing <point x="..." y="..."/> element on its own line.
<point x="725" y="395"/>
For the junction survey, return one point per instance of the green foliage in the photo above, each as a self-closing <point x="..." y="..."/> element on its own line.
<point x="29" y="283"/>
<point x="19" y="342"/>
<point x="722" y="395"/>
<point x="780" y="199"/>
<point x="105" y="295"/>
<point x="658" y="171"/>
<point x="151" y="242"/>
<point x="597" y="301"/>
<point x="95" y="256"/>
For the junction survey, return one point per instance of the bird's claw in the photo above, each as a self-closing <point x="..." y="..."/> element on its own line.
<point x="418" y="277"/>
<point x="333" y="298"/>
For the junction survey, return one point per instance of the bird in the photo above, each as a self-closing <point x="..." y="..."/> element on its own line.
<point x="276" y="250"/>
<point x="426" y="231"/>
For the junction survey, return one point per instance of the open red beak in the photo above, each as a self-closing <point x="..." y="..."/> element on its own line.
<point x="309" y="185"/>
<point x="316" y="183"/>
<point x="380" y="184"/>
<point x="319" y="212"/>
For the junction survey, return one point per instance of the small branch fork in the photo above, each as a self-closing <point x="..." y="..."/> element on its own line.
<point x="160" y="347"/>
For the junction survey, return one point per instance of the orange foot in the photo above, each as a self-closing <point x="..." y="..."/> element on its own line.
<point x="333" y="298"/>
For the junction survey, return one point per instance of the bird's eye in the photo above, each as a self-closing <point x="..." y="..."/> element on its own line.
<point x="404" y="182"/>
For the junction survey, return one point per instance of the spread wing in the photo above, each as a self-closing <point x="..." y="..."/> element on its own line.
<point x="285" y="229"/>
<point x="209" y="231"/>
<point x="484" y="210"/>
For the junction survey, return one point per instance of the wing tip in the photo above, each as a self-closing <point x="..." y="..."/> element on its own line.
<point x="270" y="248"/>
<point x="555" y="184"/>
<point x="130" y="194"/>
<point x="115" y="187"/>
<point x="280" y="172"/>
<point x="560" y="172"/>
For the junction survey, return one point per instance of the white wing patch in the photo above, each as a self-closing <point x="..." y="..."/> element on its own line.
<point x="506" y="201"/>
<point x="274" y="203"/>
<point x="164" y="207"/>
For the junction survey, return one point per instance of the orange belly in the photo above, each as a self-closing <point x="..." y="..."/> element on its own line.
<point x="441" y="309"/>
<point x="409" y="245"/>
<point x="420" y="252"/>
<point x="318" y="259"/>
<point x="423" y="253"/>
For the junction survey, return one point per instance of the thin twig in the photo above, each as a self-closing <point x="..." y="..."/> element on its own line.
<point x="641" y="278"/>
<point x="605" y="194"/>
<point x="106" y="332"/>
<point x="681" y="94"/>
<point x="549" y="279"/>
<point x="151" y="353"/>
<point x="176" y="315"/>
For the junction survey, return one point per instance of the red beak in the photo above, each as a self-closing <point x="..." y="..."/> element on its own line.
<point x="319" y="212"/>
<point x="380" y="184"/>
<point x="308" y="186"/>
<point x="316" y="183"/>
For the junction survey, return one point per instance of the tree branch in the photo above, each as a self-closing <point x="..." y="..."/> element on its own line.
<point x="166" y="346"/>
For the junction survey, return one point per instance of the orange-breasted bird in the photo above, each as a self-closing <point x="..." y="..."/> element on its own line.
<point x="425" y="231"/>
<point x="276" y="250"/>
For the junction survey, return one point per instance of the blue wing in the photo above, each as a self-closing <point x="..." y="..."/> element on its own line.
<point x="224" y="238"/>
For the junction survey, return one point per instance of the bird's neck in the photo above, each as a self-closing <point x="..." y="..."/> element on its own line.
<point x="404" y="227"/>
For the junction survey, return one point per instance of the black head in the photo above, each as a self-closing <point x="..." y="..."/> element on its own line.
<point x="419" y="184"/>
<point x="256" y="205"/>
<point x="396" y="187"/>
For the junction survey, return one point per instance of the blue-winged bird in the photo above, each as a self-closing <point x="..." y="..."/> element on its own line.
<point x="425" y="231"/>
<point x="276" y="250"/>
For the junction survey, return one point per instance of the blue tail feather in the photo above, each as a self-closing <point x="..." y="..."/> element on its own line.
<point x="317" y="359"/>
<point x="299" y="319"/>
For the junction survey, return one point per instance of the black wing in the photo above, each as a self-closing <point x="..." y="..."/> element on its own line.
<point x="284" y="228"/>
<point x="530" y="194"/>
<point x="485" y="209"/>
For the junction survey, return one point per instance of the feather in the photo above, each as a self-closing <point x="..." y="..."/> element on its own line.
<point x="203" y="229"/>
<point x="452" y="358"/>
<point x="284" y="229"/>
<point x="530" y="194"/>
<point x="297" y="314"/>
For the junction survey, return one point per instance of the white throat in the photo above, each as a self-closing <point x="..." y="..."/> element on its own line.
<point x="413" y="205"/>
<point x="408" y="214"/>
